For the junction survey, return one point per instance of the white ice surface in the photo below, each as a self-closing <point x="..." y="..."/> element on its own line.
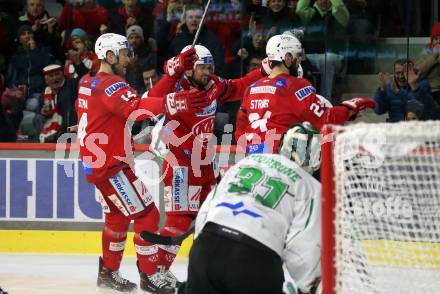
<point x="31" y="273"/>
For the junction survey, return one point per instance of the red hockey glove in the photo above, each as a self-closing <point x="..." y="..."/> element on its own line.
<point x="356" y="105"/>
<point x="216" y="87"/>
<point x="265" y="67"/>
<point x="184" y="61"/>
<point x="185" y="101"/>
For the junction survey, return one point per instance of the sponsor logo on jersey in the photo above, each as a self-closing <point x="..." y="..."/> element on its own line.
<point x="180" y="188"/>
<point x="101" y="200"/>
<point x="146" y="197"/>
<point x="82" y="103"/>
<point x="194" y="197"/>
<point x="304" y="92"/>
<point x="208" y="110"/>
<point x="167" y="198"/>
<point x="117" y="202"/>
<point x="85" y="91"/>
<point x="94" y="83"/>
<point x="117" y="246"/>
<point x="280" y="83"/>
<point x="124" y="189"/>
<point x="146" y="250"/>
<point x="203" y="129"/>
<point x="110" y="90"/>
<point x="263" y="89"/>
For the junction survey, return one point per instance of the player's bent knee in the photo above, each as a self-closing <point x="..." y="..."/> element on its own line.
<point x="116" y="222"/>
<point x="147" y="222"/>
<point x="176" y="224"/>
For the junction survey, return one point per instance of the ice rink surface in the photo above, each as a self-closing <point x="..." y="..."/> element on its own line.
<point x="32" y="273"/>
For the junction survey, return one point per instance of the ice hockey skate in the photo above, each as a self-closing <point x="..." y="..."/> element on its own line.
<point x="155" y="283"/>
<point x="111" y="282"/>
<point x="170" y="278"/>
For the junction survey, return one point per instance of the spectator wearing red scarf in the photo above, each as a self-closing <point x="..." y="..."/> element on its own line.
<point x="81" y="58"/>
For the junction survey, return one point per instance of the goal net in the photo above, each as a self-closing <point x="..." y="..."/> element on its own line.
<point x="381" y="208"/>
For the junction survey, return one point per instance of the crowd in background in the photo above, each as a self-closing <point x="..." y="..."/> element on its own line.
<point x="43" y="56"/>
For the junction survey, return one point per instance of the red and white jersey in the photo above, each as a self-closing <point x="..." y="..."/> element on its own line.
<point x="197" y="127"/>
<point x="104" y="103"/>
<point x="271" y="105"/>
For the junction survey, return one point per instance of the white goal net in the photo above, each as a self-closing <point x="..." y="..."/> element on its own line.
<point x="387" y="208"/>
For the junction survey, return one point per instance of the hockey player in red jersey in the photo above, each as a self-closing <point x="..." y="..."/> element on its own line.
<point x="274" y="103"/>
<point x="105" y="102"/>
<point x="187" y="170"/>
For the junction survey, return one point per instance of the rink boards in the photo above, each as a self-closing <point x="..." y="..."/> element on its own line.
<point x="47" y="206"/>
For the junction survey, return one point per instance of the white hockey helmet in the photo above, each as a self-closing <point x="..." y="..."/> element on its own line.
<point x="110" y="42"/>
<point x="203" y="53"/>
<point x="279" y="45"/>
<point x="302" y="144"/>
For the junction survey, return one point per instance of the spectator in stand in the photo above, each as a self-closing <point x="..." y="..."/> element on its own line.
<point x="45" y="28"/>
<point x="324" y="37"/>
<point x="143" y="57"/>
<point x="224" y="19"/>
<point x="251" y="45"/>
<point x="428" y="63"/>
<point x="150" y="76"/>
<point x="11" y="112"/>
<point x="84" y="14"/>
<point x="254" y="62"/>
<point x="395" y="91"/>
<point x="255" y="9"/>
<point x="414" y="110"/>
<point x="279" y="18"/>
<point x="8" y="25"/>
<point x="128" y="14"/>
<point x="26" y="65"/>
<point x="363" y="29"/>
<point x="80" y="59"/>
<point x="167" y="28"/>
<point x="58" y="111"/>
<point x="192" y="17"/>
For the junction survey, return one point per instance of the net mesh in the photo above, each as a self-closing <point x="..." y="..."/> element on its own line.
<point x="387" y="179"/>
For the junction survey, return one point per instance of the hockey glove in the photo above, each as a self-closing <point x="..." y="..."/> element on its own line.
<point x="357" y="105"/>
<point x="265" y="67"/>
<point x="184" y="61"/>
<point x="185" y="101"/>
<point x="216" y="87"/>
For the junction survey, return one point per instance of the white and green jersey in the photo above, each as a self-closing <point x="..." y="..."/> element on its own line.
<point x="274" y="201"/>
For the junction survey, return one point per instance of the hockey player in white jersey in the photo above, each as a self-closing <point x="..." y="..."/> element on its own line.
<point x="266" y="211"/>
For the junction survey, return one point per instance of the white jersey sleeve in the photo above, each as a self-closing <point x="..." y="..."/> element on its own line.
<point x="264" y="196"/>
<point x="302" y="253"/>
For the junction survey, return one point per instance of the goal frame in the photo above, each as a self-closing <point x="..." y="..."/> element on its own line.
<point x="328" y="212"/>
<point x="429" y="150"/>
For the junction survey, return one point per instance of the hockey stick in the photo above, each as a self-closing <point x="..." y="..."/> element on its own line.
<point x="200" y="24"/>
<point x="167" y="240"/>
